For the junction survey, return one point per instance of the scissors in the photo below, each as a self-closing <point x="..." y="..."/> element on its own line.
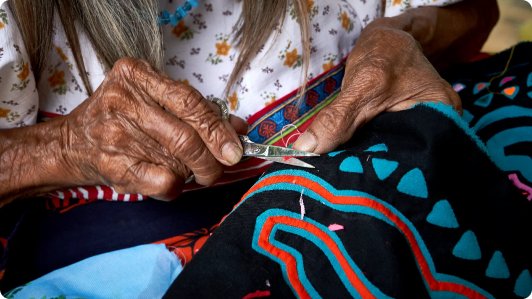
<point x="267" y="152"/>
<point x="274" y="153"/>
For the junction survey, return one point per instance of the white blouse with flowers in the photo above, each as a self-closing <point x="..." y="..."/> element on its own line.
<point x="198" y="52"/>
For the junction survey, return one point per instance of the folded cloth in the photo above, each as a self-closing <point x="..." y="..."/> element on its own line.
<point x="139" y="272"/>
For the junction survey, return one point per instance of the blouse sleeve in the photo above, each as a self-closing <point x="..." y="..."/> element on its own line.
<point x="397" y="7"/>
<point x="19" y="99"/>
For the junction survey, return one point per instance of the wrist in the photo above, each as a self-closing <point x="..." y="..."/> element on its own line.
<point x="32" y="161"/>
<point x="420" y="23"/>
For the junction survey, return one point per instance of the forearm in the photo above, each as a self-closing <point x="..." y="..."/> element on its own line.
<point x="31" y="162"/>
<point x="450" y="34"/>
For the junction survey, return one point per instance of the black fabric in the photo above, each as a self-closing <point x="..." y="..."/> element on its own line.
<point x="455" y="169"/>
<point x="48" y="240"/>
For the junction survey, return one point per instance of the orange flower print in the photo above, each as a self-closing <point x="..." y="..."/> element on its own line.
<point x="345" y="21"/>
<point x="2" y="25"/>
<point x="328" y="66"/>
<point x="270" y="102"/>
<point x="4" y="112"/>
<point x="25" y="72"/>
<point x="310" y="4"/>
<point x="180" y="28"/>
<point x="233" y="100"/>
<point x="57" y="78"/>
<point x="184" y="81"/>
<point x="291" y="58"/>
<point x="61" y="54"/>
<point x="223" y="48"/>
<point x="395" y="2"/>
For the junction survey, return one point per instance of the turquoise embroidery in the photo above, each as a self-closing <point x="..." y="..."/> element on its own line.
<point x="413" y="183"/>
<point x="480" y="86"/>
<point x="467" y="116"/>
<point x="467" y="248"/>
<point x="442" y="214"/>
<point x="378" y="148"/>
<point x="497" y="267"/>
<point x="383" y="168"/>
<point x="514" y="93"/>
<point x="351" y="164"/>
<point x="484" y="101"/>
<point x="334" y="154"/>
<point x="523" y="284"/>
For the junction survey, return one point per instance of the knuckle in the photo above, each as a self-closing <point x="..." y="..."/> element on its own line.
<point x="184" y="141"/>
<point x="334" y="119"/>
<point x="192" y="100"/>
<point x="164" y="186"/>
<point x="210" y="179"/>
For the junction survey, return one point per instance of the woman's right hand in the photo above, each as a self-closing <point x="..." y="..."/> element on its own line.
<point x="142" y="132"/>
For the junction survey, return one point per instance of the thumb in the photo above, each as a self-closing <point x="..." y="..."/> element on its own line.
<point x="334" y="125"/>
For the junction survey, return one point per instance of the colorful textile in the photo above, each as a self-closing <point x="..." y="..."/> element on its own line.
<point x="497" y="102"/>
<point x="140" y="272"/>
<point x="438" y="219"/>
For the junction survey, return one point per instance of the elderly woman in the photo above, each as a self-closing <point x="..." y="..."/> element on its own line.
<point x="124" y="90"/>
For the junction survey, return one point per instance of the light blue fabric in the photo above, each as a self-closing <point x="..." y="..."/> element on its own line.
<point x="145" y="271"/>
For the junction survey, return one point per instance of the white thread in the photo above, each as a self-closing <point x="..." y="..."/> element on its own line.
<point x="301" y="204"/>
<point x="184" y="256"/>
<point x="286" y="143"/>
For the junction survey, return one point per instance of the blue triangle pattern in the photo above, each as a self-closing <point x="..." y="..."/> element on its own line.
<point x="529" y="80"/>
<point x="530" y="94"/>
<point x="480" y="87"/>
<point x="467" y="116"/>
<point x="351" y="164"/>
<point x="413" y="183"/>
<point x="506" y="80"/>
<point x="442" y="214"/>
<point x="467" y="247"/>
<point x="513" y="95"/>
<point x="523" y="284"/>
<point x="383" y="168"/>
<point x="378" y="148"/>
<point x="484" y="101"/>
<point x="333" y="154"/>
<point x="497" y="267"/>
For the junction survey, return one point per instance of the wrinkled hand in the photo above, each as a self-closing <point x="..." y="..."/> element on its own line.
<point x="385" y="72"/>
<point x="142" y="132"/>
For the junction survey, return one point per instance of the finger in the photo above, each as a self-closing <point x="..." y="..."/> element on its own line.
<point x="241" y="126"/>
<point x="335" y="124"/>
<point x="189" y="105"/>
<point x="156" y="181"/>
<point x="183" y="142"/>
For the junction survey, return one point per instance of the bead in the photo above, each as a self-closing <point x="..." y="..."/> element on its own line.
<point x="166" y="15"/>
<point x="187" y="6"/>
<point x="173" y="20"/>
<point x="181" y="11"/>
<point x="194" y="3"/>
<point x="178" y="17"/>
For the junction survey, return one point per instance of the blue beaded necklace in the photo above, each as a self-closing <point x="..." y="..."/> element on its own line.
<point x="180" y="13"/>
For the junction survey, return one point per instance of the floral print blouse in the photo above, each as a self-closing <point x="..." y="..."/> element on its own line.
<point x="198" y="52"/>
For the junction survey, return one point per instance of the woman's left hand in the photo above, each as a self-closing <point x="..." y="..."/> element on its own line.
<point x="385" y="72"/>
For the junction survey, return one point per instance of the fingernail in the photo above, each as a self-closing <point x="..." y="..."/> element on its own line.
<point x="307" y="142"/>
<point x="232" y="153"/>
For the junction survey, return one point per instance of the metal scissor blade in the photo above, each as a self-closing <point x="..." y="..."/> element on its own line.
<point x="289" y="161"/>
<point x="261" y="150"/>
<point x="277" y="151"/>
